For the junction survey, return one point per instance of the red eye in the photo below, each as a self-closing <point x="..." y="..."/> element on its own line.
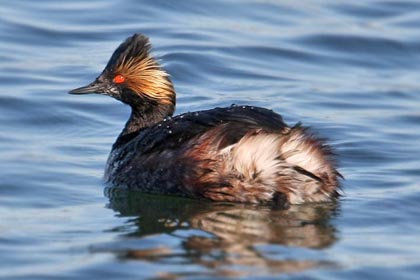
<point x="119" y="79"/>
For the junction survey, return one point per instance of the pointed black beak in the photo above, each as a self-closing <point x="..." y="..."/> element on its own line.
<point x="95" y="87"/>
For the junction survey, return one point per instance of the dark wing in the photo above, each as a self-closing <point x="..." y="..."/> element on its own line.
<point x="173" y="132"/>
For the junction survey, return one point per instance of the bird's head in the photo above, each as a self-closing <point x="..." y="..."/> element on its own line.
<point x="134" y="77"/>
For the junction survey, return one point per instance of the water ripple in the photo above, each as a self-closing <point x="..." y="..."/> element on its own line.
<point x="349" y="70"/>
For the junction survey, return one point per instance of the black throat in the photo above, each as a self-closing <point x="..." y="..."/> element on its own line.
<point x="144" y="113"/>
<point x="146" y="116"/>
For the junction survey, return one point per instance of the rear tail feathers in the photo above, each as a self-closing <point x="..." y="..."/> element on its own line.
<point x="303" y="149"/>
<point x="295" y="162"/>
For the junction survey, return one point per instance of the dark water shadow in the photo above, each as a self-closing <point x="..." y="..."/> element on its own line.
<point x="222" y="237"/>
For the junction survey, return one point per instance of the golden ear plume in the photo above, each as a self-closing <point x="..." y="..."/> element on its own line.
<point x="141" y="71"/>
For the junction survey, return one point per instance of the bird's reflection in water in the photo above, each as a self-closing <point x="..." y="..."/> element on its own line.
<point x="226" y="238"/>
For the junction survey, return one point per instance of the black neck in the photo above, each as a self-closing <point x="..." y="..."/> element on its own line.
<point x="146" y="116"/>
<point x="145" y="112"/>
<point x="140" y="119"/>
<point x="142" y="116"/>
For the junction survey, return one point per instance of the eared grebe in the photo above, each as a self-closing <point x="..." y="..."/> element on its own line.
<point x="238" y="153"/>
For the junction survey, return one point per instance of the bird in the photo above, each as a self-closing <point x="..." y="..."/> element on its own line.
<point x="242" y="154"/>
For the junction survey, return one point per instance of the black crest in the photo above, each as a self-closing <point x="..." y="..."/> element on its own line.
<point x="136" y="46"/>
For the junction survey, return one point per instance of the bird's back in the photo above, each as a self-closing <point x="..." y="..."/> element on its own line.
<point x="239" y="153"/>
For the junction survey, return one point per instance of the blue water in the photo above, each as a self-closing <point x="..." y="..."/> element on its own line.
<point x="350" y="70"/>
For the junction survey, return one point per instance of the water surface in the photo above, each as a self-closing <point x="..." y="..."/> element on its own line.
<point x="350" y="70"/>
